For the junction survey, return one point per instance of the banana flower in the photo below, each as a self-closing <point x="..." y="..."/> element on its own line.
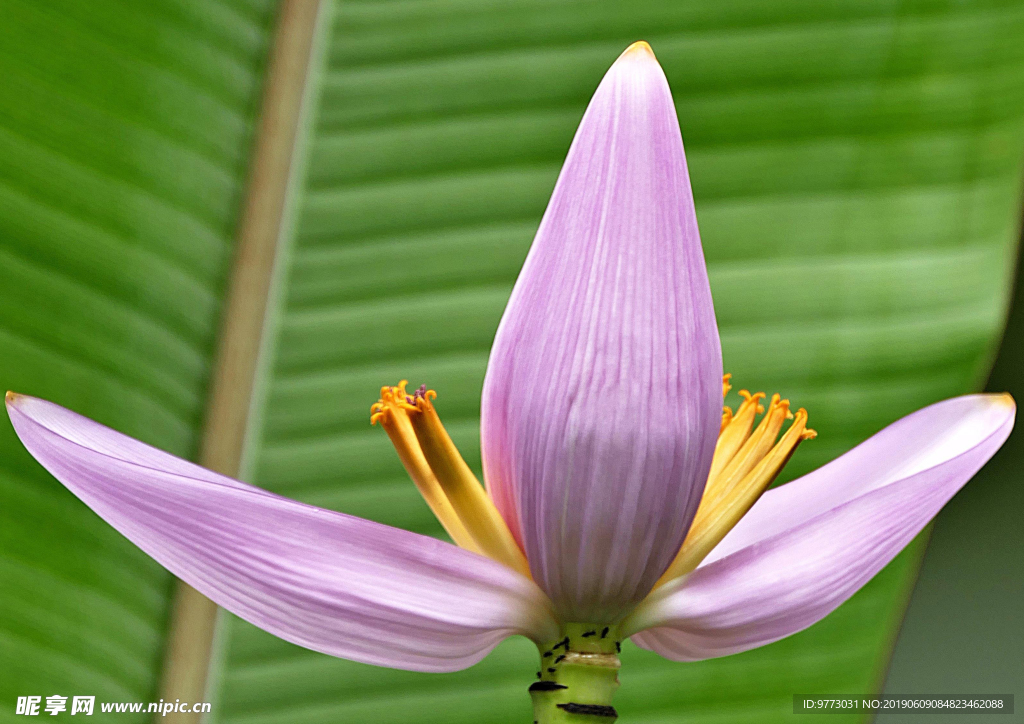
<point x="620" y="500"/>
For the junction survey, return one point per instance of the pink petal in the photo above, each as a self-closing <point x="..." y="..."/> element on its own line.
<point x="806" y="547"/>
<point x="603" y="394"/>
<point x="922" y="440"/>
<point x="327" y="581"/>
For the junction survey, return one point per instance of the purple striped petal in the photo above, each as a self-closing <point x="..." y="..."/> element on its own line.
<point x="603" y="395"/>
<point x="327" y="581"/>
<point x="806" y="547"/>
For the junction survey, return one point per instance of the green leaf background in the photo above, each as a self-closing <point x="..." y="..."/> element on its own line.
<point x="857" y="171"/>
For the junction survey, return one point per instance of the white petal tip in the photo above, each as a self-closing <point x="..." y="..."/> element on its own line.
<point x="1005" y="399"/>
<point x="12" y="397"/>
<point x="637" y="63"/>
<point x="639" y="49"/>
<point x="637" y="56"/>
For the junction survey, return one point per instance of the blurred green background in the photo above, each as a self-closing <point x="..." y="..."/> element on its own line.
<point x="964" y="629"/>
<point x="857" y="169"/>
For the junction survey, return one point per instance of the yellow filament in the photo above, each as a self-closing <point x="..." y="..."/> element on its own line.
<point x="468" y="509"/>
<point x="736" y="432"/>
<point x="751" y="452"/>
<point x="726" y="411"/>
<point x="471" y="503"/>
<point x="392" y="412"/>
<point x="741" y="476"/>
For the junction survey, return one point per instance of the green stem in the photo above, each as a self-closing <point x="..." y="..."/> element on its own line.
<point x="578" y="677"/>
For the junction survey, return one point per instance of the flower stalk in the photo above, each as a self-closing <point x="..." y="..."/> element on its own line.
<point x="578" y="677"/>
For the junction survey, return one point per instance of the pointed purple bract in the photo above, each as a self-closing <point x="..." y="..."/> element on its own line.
<point x="603" y="394"/>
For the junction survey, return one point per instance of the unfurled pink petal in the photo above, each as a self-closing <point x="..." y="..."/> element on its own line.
<point x="603" y="395"/>
<point x="330" y="582"/>
<point x="806" y="547"/>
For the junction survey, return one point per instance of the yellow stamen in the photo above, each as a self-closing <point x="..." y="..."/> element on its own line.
<point x="726" y="411"/>
<point x="736" y="432"/>
<point x="726" y="419"/>
<point x="392" y="412"/>
<point x="751" y="452"/>
<point x="468" y="510"/>
<point x="474" y="507"/>
<point x="739" y="481"/>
